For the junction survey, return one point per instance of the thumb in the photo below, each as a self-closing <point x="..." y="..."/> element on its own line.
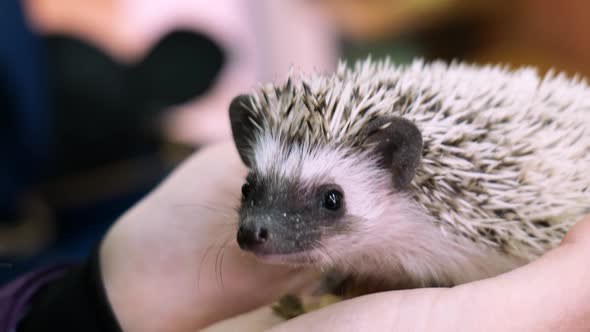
<point x="549" y="294"/>
<point x="579" y="234"/>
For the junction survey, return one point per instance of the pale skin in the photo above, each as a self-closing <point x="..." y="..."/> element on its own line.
<point x="172" y="264"/>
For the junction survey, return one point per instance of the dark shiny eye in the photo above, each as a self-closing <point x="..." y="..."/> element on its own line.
<point x="246" y="190"/>
<point x="332" y="200"/>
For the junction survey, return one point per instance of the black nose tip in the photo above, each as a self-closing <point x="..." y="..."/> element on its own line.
<point x="251" y="237"/>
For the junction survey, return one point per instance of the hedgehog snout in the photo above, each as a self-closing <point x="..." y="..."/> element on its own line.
<point x="275" y="233"/>
<point x="252" y="237"/>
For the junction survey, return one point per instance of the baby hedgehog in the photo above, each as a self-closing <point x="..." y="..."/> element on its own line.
<point x="423" y="175"/>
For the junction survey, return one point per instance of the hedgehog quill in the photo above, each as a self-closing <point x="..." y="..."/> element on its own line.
<point x="428" y="174"/>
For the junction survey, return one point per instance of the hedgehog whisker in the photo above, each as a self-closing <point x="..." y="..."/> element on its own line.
<point x="219" y="262"/>
<point x="201" y="265"/>
<point x="207" y="205"/>
<point x="221" y="244"/>
<point x="227" y="213"/>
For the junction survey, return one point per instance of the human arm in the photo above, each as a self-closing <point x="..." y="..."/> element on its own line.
<point x="170" y="263"/>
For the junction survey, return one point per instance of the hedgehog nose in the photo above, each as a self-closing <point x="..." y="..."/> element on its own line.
<point x="251" y="237"/>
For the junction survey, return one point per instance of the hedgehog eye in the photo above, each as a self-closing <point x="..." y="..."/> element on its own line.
<point x="246" y="188"/>
<point x="332" y="200"/>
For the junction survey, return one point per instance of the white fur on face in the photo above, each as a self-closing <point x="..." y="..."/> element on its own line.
<point x="405" y="247"/>
<point x="365" y="187"/>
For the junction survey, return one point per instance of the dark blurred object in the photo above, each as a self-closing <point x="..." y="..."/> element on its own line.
<point x="107" y="111"/>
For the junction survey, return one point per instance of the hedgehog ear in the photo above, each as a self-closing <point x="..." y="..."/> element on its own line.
<point x="398" y="143"/>
<point x="242" y="128"/>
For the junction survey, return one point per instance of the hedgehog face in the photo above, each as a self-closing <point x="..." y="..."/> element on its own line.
<point x="298" y="195"/>
<point x="284" y="219"/>
<point x="294" y="201"/>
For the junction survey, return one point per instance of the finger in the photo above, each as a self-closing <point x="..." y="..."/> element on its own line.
<point x="391" y="311"/>
<point x="548" y="295"/>
<point x="551" y="293"/>
<point x="580" y="233"/>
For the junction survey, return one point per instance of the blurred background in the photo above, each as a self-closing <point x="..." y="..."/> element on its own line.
<point x="100" y="99"/>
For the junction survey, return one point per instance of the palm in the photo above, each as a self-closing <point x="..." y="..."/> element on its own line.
<point x="175" y="252"/>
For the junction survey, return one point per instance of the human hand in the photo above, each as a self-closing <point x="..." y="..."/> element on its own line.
<point x="171" y="263"/>
<point x="549" y="294"/>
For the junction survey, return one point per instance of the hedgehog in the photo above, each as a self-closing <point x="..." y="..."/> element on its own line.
<point x="429" y="174"/>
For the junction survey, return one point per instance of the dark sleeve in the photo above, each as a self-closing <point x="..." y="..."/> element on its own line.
<point x="74" y="302"/>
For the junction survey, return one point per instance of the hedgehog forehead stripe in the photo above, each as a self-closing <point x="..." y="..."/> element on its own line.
<point x="501" y="148"/>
